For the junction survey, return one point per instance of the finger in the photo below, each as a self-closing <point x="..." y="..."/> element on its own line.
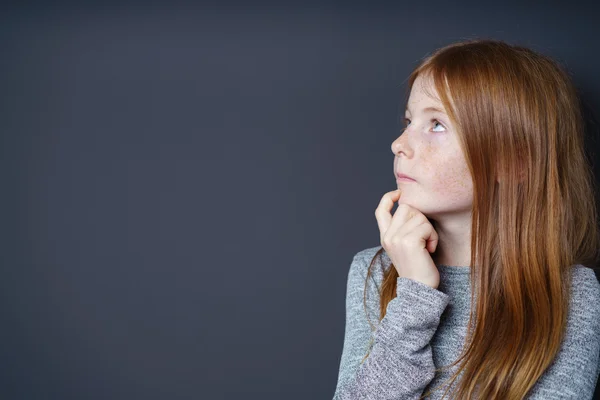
<point x="405" y="217"/>
<point x="427" y="237"/>
<point x="383" y="211"/>
<point x="405" y="220"/>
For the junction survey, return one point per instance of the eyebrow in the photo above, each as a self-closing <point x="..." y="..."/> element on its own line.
<point x="428" y="109"/>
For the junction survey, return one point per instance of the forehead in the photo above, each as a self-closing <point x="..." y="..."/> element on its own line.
<point x="424" y="96"/>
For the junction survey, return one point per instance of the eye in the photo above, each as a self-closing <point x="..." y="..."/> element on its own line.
<point x="435" y="121"/>
<point x="438" y="122"/>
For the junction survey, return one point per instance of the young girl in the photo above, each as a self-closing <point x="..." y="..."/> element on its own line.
<point x="482" y="287"/>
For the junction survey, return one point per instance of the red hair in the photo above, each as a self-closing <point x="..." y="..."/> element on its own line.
<point x="519" y="122"/>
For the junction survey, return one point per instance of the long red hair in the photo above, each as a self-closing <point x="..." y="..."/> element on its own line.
<point x="519" y="122"/>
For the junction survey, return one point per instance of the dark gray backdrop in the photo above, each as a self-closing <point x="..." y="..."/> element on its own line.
<point x="184" y="187"/>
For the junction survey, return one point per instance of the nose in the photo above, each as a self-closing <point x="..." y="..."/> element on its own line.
<point x="401" y="145"/>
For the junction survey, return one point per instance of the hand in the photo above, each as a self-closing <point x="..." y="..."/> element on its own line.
<point x="408" y="237"/>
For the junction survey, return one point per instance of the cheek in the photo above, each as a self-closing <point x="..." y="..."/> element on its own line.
<point x="452" y="178"/>
<point x="447" y="170"/>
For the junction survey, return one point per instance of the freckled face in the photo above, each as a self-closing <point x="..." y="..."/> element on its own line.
<point x="428" y="151"/>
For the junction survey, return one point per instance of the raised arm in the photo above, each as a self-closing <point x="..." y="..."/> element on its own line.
<point x="400" y="364"/>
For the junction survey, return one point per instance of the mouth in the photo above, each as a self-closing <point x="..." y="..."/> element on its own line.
<point x="404" y="178"/>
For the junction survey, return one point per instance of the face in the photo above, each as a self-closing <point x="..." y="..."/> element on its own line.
<point x="429" y="152"/>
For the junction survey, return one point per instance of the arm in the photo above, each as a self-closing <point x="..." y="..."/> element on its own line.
<point x="400" y="364"/>
<point x="574" y="372"/>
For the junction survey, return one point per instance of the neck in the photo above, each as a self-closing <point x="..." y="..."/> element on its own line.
<point x="454" y="243"/>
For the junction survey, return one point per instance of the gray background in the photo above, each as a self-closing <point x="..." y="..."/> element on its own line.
<point x="184" y="187"/>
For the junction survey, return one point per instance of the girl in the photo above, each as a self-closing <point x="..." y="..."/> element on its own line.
<point x="482" y="287"/>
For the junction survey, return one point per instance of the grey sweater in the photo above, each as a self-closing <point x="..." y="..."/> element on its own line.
<point x="425" y="328"/>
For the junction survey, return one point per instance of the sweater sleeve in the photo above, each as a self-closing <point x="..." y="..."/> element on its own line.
<point x="400" y="364"/>
<point x="574" y="372"/>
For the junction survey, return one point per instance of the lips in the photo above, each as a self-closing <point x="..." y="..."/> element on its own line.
<point x="399" y="176"/>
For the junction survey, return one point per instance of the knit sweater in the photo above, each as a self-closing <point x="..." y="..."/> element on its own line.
<point x="425" y="328"/>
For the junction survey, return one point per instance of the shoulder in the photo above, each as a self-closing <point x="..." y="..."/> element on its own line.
<point x="363" y="258"/>
<point x="367" y="254"/>
<point x="585" y="297"/>
<point x="584" y="279"/>
<point x="361" y="262"/>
